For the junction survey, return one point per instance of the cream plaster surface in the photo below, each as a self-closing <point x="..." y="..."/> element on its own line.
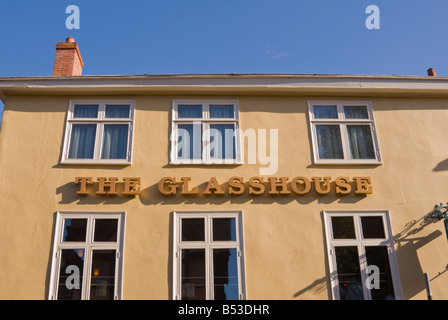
<point x="284" y="237"/>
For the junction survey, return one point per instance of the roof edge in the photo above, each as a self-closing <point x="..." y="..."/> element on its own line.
<point x="223" y="75"/>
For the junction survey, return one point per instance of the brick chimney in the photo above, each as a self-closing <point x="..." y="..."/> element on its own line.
<point x="432" y="72"/>
<point x="68" y="61"/>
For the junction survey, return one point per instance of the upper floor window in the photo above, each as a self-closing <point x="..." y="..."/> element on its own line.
<point x="99" y="132"/>
<point x="343" y="133"/>
<point x="205" y="132"/>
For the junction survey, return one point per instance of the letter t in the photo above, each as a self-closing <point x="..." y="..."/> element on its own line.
<point x="84" y="181"/>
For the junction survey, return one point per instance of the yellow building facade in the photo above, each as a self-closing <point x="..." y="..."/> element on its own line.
<point x="223" y="187"/>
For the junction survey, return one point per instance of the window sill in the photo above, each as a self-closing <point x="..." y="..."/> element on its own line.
<point x="346" y="163"/>
<point x="98" y="162"/>
<point x="206" y="163"/>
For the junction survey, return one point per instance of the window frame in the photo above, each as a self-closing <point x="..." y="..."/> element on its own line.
<point x="208" y="244"/>
<point x="360" y="243"/>
<point x="100" y="122"/>
<point x="89" y="245"/>
<point x="205" y="123"/>
<point x="342" y="122"/>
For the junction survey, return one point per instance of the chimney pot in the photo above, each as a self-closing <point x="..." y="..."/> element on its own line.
<point x="432" y="72"/>
<point x="68" y="60"/>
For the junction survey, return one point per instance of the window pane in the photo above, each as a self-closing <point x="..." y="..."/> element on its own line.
<point x="85" y="111"/>
<point x="223" y="111"/>
<point x="222" y="141"/>
<point x="372" y="227"/>
<point x="106" y="230"/>
<point x="189" y="141"/>
<point x="115" y="141"/>
<point x="102" y="282"/>
<point x="75" y="230"/>
<point x="70" y="274"/>
<point x="329" y="142"/>
<point x="193" y="274"/>
<point x="378" y="256"/>
<point x="356" y="112"/>
<point x="225" y="274"/>
<point x="349" y="274"/>
<point x="343" y="228"/>
<point x="361" y="142"/>
<point x="193" y="229"/>
<point x="189" y="111"/>
<point x="117" y="111"/>
<point x="325" y="112"/>
<point x="224" y="229"/>
<point x="82" y="141"/>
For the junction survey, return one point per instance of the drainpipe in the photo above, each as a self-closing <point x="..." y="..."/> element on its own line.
<point x="428" y="287"/>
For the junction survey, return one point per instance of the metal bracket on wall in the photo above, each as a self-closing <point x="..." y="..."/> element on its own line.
<point x="441" y="212"/>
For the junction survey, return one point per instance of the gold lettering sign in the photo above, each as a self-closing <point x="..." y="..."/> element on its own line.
<point x="84" y="181"/>
<point x="108" y="185"/>
<point x="254" y="186"/>
<point x="274" y="186"/>
<point x="167" y="186"/>
<point x="304" y="181"/>
<point x="132" y="186"/>
<point x="236" y="185"/>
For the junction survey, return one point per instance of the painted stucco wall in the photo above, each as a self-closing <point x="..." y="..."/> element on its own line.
<point x="284" y="236"/>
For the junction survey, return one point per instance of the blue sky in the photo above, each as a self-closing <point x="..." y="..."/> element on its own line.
<point x="227" y="36"/>
<point x="232" y="36"/>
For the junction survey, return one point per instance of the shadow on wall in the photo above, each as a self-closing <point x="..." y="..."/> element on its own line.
<point x="322" y="284"/>
<point x="441" y="166"/>
<point x="411" y="273"/>
<point x="316" y="287"/>
<point x="69" y="194"/>
<point x="407" y="243"/>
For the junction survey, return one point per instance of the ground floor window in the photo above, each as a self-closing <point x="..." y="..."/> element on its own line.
<point x="87" y="256"/>
<point x="361" y="256"/>
<point x="208" y="256"/>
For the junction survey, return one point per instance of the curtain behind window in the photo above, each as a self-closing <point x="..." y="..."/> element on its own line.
<point x="329" y="142"/>
<point x="115" y="141"/>
<point x="222" y="141"/>
<point x="117" y="111"/>
<point x="361" y="142"/>
<point x="221" y="111"/>
<point x="189" y="111"/>
<point x="356" y="112"/>
<point x="325" y="112"/>
<point x="189" y="141"/>
<point x="82" y="141"/>
<point x="85" y="111"/>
